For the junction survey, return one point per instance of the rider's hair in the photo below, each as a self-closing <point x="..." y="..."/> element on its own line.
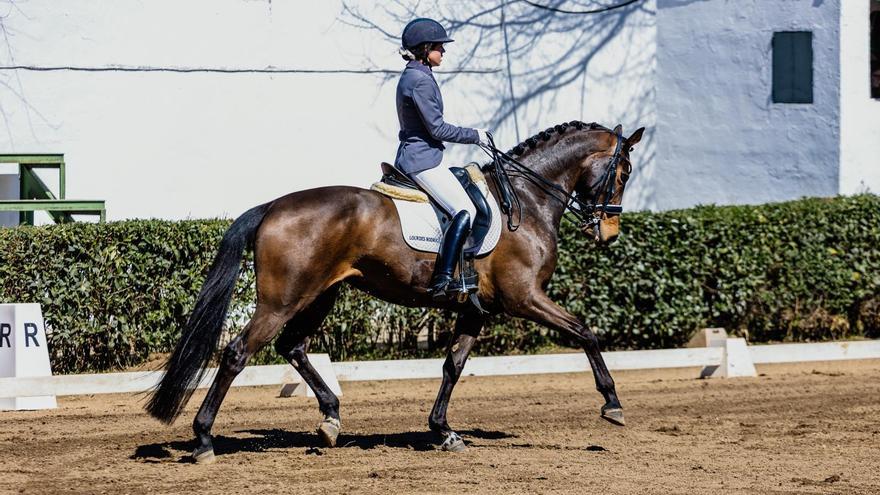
<point x="418" y="52"/>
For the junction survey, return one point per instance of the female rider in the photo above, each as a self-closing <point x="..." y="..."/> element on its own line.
<point x="422" y="133"/>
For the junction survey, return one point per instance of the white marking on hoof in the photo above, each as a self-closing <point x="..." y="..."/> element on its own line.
<point x="453" y="443"/>
<point x="329" y="431"/>
<point x="204" y="457"/>
<point x="614" y="416"/>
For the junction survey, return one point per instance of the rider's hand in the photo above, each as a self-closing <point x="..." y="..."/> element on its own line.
<point x="483" y="135"/>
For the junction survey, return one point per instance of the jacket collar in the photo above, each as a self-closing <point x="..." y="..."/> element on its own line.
<point x="415" y="64"/>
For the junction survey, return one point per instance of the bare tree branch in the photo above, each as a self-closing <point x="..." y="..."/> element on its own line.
<point x="580" y="12"/>
<point x="543" y="49"/>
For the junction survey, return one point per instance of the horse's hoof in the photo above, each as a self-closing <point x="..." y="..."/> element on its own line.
<point x="329" y="431"/>
<point x="453" y="443"/>
<point x="614" y="416"/>
<point x="204" y="455"/>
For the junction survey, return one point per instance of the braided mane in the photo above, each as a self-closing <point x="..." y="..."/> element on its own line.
<point x="545" y="135"/>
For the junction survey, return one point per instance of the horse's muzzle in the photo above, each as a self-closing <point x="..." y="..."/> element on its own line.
<point x="607" y="229"/>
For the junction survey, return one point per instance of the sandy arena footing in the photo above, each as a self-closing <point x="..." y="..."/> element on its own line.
<point x="804" y="428"/>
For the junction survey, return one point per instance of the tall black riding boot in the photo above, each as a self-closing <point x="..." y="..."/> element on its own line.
<point x="453" y="241"/>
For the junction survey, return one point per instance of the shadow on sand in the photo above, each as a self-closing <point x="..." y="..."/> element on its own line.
<point x="262" y="440"/>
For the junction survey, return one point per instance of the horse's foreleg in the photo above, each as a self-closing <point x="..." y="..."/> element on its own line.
<point x="467" y="328"/>
<point x="544" y="311"/>
<point x="293" y="345"/>
<point x="259" y="331"/>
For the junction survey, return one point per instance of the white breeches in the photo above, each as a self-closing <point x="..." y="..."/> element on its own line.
<point x="445" y="189"/>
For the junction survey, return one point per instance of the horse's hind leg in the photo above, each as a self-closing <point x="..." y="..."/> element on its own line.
<point x="264" y="325"/>
<point x="293" y="345"/>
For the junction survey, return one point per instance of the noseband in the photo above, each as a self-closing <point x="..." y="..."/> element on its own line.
<point x="607" y="184"/>
<point x="587" y="214"/>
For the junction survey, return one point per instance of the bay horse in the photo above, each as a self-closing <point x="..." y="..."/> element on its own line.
<point x="307" y="243"/>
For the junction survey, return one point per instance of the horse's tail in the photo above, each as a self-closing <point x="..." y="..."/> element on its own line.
<point x="186" y="366"/>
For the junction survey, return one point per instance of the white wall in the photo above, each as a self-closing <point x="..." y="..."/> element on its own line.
<point x="173" y="145"/>
<point x="859" y="113"/>
<point x="720" y="139"/>
<point x="179" y="145"/>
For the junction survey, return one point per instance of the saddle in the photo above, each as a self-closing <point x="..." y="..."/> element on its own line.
<point x="397" y="186"/>
<point x="423" y="222"/>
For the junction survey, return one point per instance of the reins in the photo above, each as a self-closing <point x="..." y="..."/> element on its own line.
<point x="586" y="215"/>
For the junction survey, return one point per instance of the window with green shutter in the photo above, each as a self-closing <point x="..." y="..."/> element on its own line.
<point x="793" y="67"/>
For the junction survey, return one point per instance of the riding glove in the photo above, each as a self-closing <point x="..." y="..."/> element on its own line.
<point x="483" y="135"/>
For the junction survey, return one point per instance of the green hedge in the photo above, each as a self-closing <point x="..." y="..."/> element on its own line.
<point x="795" y="271"/>
<point x="114" y="293"/>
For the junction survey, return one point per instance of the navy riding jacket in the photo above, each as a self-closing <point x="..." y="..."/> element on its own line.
<point x="422" y="129"/>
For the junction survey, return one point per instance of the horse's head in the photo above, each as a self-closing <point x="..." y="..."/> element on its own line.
<point x="602" y="182"/>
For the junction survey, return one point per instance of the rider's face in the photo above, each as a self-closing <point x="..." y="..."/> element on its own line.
<point x="435" y="54"/>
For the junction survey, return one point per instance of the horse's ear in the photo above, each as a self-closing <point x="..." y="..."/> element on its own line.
<point x="618" y="130"/>
<point x="636" y="137"/>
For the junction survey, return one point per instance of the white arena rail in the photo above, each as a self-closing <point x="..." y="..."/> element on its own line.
<point x="433" y="368"/>
<point x="527" y="365"/>
<point x="824" y="351"/>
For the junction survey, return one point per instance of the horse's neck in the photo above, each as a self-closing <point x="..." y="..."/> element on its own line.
<point x="536" y="201"/>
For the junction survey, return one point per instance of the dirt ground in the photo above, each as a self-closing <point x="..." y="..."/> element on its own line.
<point x="807" y="428"/>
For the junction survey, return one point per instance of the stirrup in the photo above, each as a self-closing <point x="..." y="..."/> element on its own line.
<point x="463" y="286"/>
<point x="454" y="288"/>
<point x="442" y="290"/>
<point x="467" y="283"/>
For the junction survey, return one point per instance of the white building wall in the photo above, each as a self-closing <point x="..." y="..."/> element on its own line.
<point x="859" y="113"/>
<point x="173" y="145"/>
<point x="720" y="139"/>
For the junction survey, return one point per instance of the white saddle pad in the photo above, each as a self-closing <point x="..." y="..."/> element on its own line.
<point x="423" y="224"/>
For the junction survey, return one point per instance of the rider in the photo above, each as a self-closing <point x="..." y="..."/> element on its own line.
<point x="422" y="133"/>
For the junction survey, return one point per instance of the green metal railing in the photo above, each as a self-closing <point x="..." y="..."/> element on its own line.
<point x="35" y="195"/>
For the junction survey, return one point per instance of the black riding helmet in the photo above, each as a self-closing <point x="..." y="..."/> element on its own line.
<point x="423" y="30"/>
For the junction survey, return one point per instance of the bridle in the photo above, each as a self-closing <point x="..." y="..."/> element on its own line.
<point x="587" y="214"/>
